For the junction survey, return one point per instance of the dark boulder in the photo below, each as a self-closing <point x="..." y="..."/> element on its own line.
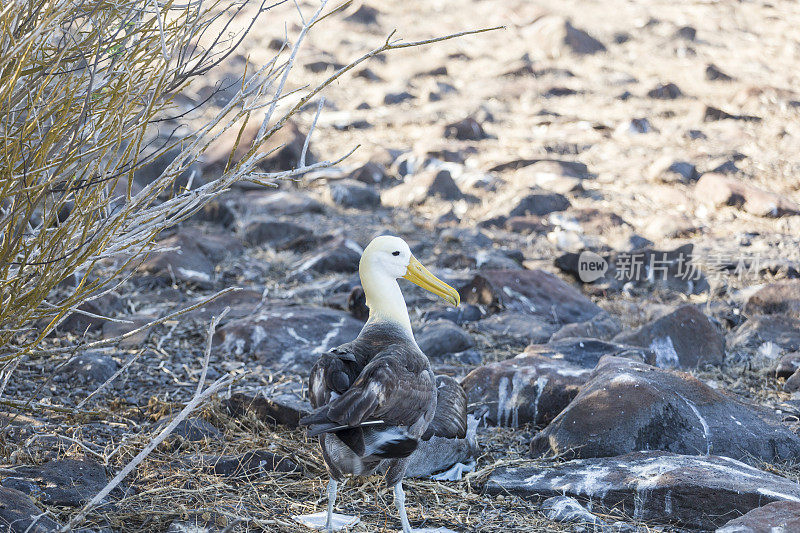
<point x="685" y="338"/>
<point x="539" y="203"/>
<point x="665" y="91"/>
<point x="758" y="330"/>
<point x="776" y="517"/>
<point x="443" y="337"/>
<point x="536" y="385"/>
<point x="419" y="188"/>
<point x="778" y="298"/>
<point x="92" y="368"/>
<point x="679" y="490"/>
<point x="272" y="232"/>
<point x="248" y="466"/>
<point x="519" y="329"/>
<point x="529" y="388"/>
<point x="288" y="337"/>
<point x="284" y="408"/>
<point x="341" y="255"/>
<point x="467" y="129"/>
<point x="19" y="514"/>
<point x="533" y="292"/>
<point x="600" y="326"/>
<point x="64" y="482"/>
<point x="354" y="194"/>
<point x="627" y="406"/>
<point x="288" y="203"/>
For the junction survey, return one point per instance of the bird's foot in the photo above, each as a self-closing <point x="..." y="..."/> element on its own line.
<point x="318" y="521"/>
<point x="455" y="473"/>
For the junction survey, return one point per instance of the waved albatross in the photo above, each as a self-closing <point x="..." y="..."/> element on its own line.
<point x="376" y="397"/>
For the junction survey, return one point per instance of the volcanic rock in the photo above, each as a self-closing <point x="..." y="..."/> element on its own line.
<point x="354" y="194"/>
<point x="342" y="255"/>
<point x="685" y="338"/>
<point x="533" y="292"/>
<point x="652" y="486"/>
<point x="600" y="326"/>
<point x="778" y="298"/>
<point x="289" y="203"/>
<point x="272" y="232"/>
<point x="285" y="407"/>
<point x="467" y="129"/>
<point x="781" y="515"/>
<point x="92" y="368"/>
<point x="19" y="514"/>
<point x="442" y="337"/>
<point x="64" y="482"/>
<point x="290" y="337"/>
<point x="539" y="203"/>
<point x="418" y="188"/>
<point x="554" y="36"/>
<point x="628" y="406"/>
<point x="758" y="330"/>
<point x="665" y="91"/>
<point x="249" y="465"/>
<point x="718" y="189"/>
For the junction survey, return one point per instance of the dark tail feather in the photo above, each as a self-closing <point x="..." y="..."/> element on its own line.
<point x="354" y="439"/>
<point x="397" y="449"/>
<point x="371" y="439"/>
<point x="326" y="426"/>
<point x="320" y="416"/>
<point x="390" y="443"/>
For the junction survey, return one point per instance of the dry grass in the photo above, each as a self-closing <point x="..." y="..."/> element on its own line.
<point x="169" y="485"/>
<point x="171" y="488"/>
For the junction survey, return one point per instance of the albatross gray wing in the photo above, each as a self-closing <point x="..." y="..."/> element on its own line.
<point x="396" y="387"/>
<point x="332" y="374"/>
<point x="336" y="370"/>
<point x="450" y="419"/>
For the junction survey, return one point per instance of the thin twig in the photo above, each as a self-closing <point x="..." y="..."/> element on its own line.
<point x="115" y="340"/>
<point x="119" y="372"/>
<point x="311" y="131"/>
<point x="212" y="328"/>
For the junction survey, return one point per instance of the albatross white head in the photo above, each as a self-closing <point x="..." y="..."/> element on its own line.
<point x="385" y="260"/>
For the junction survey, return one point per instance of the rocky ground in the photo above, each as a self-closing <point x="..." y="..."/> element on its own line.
<point x="656" y="392"/>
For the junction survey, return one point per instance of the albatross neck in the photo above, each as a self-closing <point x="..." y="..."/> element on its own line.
<point x="384" y="299"/>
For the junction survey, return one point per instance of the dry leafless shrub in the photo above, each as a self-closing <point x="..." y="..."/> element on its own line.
<point x="82" y="84"/>
<point x="84" y="87"/>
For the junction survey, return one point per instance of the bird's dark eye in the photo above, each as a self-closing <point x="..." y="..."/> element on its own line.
<point x="395" y="253"/>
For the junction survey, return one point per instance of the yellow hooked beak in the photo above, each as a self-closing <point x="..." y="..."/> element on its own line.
<point x="419" y="275"/>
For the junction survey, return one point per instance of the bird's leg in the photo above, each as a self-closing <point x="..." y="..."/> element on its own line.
<point x="332" y="486"/>
<point x="328" y="520"/>
<point x="400" y="503"/>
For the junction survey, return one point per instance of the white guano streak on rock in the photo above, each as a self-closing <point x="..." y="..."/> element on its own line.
<point x="521" y="297"/>
<point x="541" y="383"/>
<point x="776" y="494"/>
<point x="257" y="336"/>
<point x="193" y="274"/>
<point x="323" y="347"/>
<point x="703" y="423"/>
<point x="517" y="384"/>
<point x="666" y="356"/>
<point x="502" y="399"/>
<point x="292" y="333"/>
